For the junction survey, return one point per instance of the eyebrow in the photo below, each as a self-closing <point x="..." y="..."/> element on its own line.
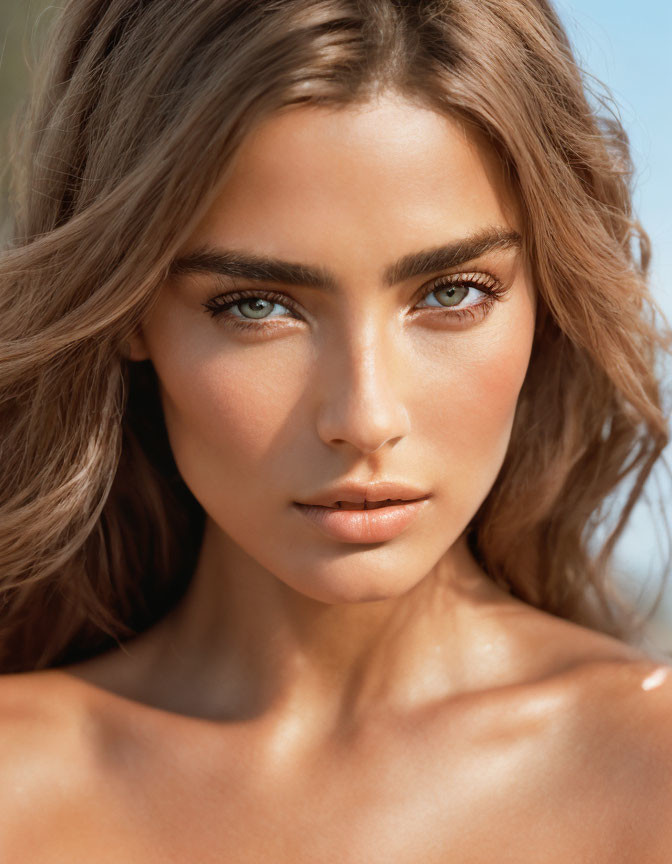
<point x="247" y="265"/>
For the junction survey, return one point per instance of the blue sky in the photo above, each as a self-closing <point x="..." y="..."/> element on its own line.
<point x="628" y="46"/>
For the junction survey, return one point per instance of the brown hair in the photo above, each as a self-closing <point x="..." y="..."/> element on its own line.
<point x="140" y="108"/>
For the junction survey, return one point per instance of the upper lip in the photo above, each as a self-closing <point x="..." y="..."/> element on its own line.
<point x="358" y="493"/>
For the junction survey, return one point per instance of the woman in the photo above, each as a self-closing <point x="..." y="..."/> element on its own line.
<point x="277" y="265"/>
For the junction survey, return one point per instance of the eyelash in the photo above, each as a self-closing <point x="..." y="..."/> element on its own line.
<point x="491" y="287"/>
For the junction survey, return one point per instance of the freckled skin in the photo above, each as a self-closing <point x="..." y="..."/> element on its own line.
<point x="309" y="700"/>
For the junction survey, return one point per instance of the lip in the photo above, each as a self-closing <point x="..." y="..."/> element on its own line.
<point x="363" y="526"/>
<point x="358" y="493"/>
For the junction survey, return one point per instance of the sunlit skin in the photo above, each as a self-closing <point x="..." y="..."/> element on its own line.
<point x="314" y="700"/>
<point x="368" y="381"/>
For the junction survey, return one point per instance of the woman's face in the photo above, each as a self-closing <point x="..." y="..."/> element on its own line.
<point x="385" y="362"/>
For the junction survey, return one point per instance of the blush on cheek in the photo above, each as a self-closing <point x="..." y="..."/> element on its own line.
<point x="477" y="412"/>
<point x="494" y="387"/>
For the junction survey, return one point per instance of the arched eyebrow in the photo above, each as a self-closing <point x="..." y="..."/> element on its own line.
<point x="241" y="264"/>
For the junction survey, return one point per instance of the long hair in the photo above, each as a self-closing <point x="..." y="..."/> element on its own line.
<point x="139" y="109"/>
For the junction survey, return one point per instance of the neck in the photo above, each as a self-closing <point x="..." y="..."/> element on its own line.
<point x="245" y="644"/>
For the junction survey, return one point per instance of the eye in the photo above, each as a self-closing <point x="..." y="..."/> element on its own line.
<point x="254" y="305"/>
<point x="463" y="290"/>
<point x="458" y="297"/>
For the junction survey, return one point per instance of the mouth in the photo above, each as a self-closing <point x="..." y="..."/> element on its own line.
<point x="355" y="522"/>
<point x="366" y="505"/>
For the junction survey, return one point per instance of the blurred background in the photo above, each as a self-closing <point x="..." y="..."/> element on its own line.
<point x="624" y="45"/>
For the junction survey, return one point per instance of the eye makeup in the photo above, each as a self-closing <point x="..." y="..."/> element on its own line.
<point x="454" y="289"/>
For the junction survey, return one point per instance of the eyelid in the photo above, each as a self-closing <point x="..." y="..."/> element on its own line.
<point x="239" y="296"/>
<point x="482" y="280"/>
<point x="483" y="277"/>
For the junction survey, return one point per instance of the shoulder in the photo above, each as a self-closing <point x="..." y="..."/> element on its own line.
<point x="44" y="716"/>
<point x="606" y="708"/>
<point x="620" y="699"/>
<point x="623" y="747"/>
<point x="596" y="778"/>
<point x="48" y="759"/>
<point x="630" y="700"/>
<point x="641" y="706"/>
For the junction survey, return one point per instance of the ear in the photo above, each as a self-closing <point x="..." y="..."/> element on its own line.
<point x="135" y="346"/>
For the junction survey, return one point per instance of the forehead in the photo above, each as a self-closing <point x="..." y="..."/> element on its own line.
<point x="366" y="177"/>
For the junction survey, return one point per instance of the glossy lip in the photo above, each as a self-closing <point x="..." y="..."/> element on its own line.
<point x="363" y="526"/>
<point x="358" y="493"/>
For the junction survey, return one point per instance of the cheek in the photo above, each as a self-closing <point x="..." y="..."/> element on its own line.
<point x="225" y="410"/>
<point x="472" y="412"/>
<point x="487" y="393"/>
<point x="230" y="407"/>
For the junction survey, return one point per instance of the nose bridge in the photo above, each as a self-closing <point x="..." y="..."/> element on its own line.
<point x="362" y="387"/>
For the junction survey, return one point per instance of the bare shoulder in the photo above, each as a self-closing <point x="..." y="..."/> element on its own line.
<point x="48" y="760"/>
<point x="640" y="702"/>
<point x="621" y="698"/>
<point x="43" y="714"/>
<point x="631" y="699"/>
<point x="623" y="750"/>
<point x="605" y="711"/>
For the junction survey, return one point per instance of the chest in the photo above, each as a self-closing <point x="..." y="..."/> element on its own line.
<point x="496" y="805"/>
<point x="429" y="831"/>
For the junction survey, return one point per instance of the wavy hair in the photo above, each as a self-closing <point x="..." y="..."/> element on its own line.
<point x="137" y="113"/>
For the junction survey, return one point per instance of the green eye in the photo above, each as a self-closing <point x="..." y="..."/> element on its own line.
<point x="257" y="307"/>
<point x="447" y="295"/>
<point x="451" y="295"/>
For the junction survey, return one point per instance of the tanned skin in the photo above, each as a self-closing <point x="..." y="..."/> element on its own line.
<point x="311" y="700"/>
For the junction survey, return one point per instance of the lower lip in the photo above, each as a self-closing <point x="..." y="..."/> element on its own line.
<point x="363" y="526"/>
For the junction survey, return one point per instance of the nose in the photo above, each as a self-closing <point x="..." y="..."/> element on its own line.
<point x="362" y="385"/>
